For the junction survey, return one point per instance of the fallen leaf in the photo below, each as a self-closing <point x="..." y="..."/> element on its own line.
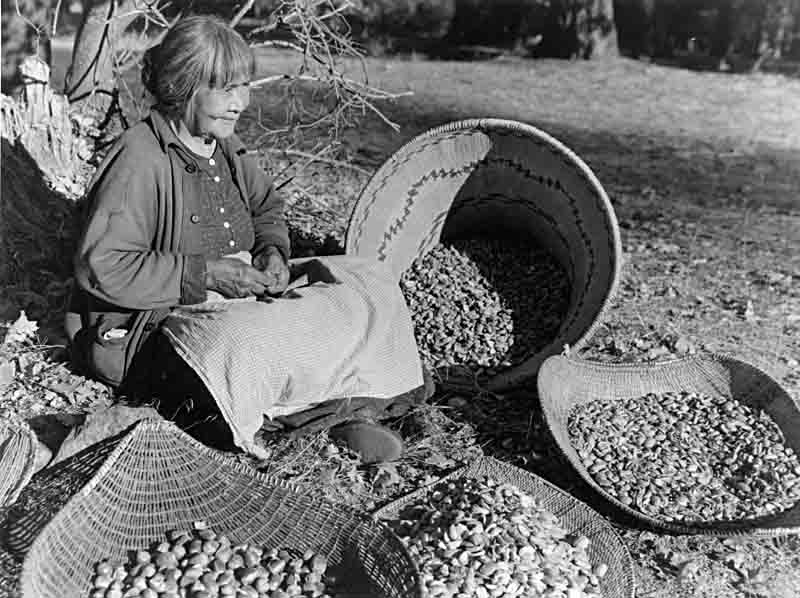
<point x="749" y="312"/>
<point x="437" y="459"/>
<point x="688" y="569"/>
<point x="736" y="561"/>
<point x="683" y="345"/>
<point x="386" y="475"/>
<point x="21" y="330"/>
<point x="457" y="402"/>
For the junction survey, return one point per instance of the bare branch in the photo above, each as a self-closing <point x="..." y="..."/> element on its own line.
<point x="242" y="12"/>
<point x="278" y="43"/>
<point x="56" y="12"/>
<point x="28" y="22"/>
<point x="318" y="157"/>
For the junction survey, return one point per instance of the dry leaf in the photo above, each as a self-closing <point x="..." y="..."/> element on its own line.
<point x="749" y="312"/>
<point x="386" y="475"/>
<point x="688" y="569"/>
<point x="21" y="330"/>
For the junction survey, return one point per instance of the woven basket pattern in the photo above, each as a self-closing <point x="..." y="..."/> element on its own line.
<point x="496" y="178"/>
<point x="17" y="459"/>
<point x="566" y="382"/>
<point x="157" y="478"/>
<point x="576" y="517"/>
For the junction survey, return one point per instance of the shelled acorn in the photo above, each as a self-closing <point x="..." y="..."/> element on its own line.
<point x="687" y="456"/>
<point x="484" y="302"/>
<point x="480" y="538"/>
<point x="203" y="564"/>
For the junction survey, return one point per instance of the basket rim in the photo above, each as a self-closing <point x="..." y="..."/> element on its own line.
<point x="741" y="527"/>
<point x="507" y="380"/>
<point x="627" y="366"/>
<point x="148" y="424"/>
<point x="608" y="528"/>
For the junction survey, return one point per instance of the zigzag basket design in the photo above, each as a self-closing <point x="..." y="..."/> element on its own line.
<point x="496" y="178"/>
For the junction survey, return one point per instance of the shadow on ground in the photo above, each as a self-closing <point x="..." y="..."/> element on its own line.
<point x="697" y="171"/>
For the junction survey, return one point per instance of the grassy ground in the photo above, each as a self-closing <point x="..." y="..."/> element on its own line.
<point x="703" y="170"/>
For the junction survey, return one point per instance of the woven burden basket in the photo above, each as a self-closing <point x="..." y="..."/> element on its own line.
<point x="158" y="478"/>
<point x="576" y="518"/>
<point x="565" y="382"/>
<point x="17" y="459"/>
<point x="501" y="179"/>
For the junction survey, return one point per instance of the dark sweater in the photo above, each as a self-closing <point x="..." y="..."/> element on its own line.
<point x="139" y="257"/>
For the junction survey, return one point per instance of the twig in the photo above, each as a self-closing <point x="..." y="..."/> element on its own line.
<point x="319" y="158"/>
<point x="277" y="43"/>
<point x="30" y="23"/>
<point x="56" y="12"/>
<point x="242" y="12"/>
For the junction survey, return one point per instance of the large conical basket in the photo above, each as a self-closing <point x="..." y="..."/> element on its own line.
<point x="565" y="383"/>
<point x="501" y="179"/>
<point x="157" y="478"/>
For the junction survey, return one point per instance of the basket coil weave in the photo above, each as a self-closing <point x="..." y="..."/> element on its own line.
<point x="566" y="382"/>
<point x="502" y="179"/>
<point x="576" y="518"/>
<point x="17" y="459"/>
<point x="157" y="478"/>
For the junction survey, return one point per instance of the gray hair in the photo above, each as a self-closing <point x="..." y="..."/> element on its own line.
<point x="197" y="51"/>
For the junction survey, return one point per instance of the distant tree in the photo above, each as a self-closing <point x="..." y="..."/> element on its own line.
<point x="579" y="29"/>
<point x="542" y="28"/>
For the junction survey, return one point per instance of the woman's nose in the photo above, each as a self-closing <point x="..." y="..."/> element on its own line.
<point x="240" y="98"/>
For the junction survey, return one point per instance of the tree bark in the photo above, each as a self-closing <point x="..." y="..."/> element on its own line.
<point x="90" y="83"/>
<point x="601" y="36"/>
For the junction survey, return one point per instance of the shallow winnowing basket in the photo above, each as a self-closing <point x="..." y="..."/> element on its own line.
<point x="17" y="459"/>
<point x="157" y="478"/>
<point x="565" y="382"/>
<point x="501" y="179"/>
<point x="576" y="518"/>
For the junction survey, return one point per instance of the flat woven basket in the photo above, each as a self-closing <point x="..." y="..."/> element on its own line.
<point x="17" y="459"/>
<point x="157" y="478"/>
<point x="502" y="179"/>
<point x="576" y="517"/>
<point x="566" y="382"/>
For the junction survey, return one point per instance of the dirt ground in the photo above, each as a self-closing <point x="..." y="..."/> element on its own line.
<point x="703" y="171"/>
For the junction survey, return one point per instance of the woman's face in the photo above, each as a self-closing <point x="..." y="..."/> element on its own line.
<point x="215" y="111"/>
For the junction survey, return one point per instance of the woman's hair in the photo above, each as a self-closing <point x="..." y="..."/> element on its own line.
<point x="197" y="51"/>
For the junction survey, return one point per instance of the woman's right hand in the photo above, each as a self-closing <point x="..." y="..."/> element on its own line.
<point x="235" y="279"/>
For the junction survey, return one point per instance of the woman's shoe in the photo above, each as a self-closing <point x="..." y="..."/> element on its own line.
<point x="373" y="442"/>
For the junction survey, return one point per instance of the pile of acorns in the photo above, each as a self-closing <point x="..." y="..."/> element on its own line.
<point x="479" y="538"/>
<point x="484" y="303"/>
<point x="204" y="564"/>
<point x="687" y="456"/>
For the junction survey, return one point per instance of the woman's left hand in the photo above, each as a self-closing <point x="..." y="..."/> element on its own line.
<point x="272" y="263"/>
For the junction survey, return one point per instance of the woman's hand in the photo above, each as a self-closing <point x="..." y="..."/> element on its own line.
<point x="271" y="263"/>
<point x="235" y="279"/>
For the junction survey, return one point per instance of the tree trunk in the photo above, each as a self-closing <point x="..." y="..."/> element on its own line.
<point x="91" y="84"/>
<point x="579" y="29"/>
<point x="604" y="30"/>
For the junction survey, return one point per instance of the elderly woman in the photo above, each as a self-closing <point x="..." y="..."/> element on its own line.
<point x="178" y="213"/>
